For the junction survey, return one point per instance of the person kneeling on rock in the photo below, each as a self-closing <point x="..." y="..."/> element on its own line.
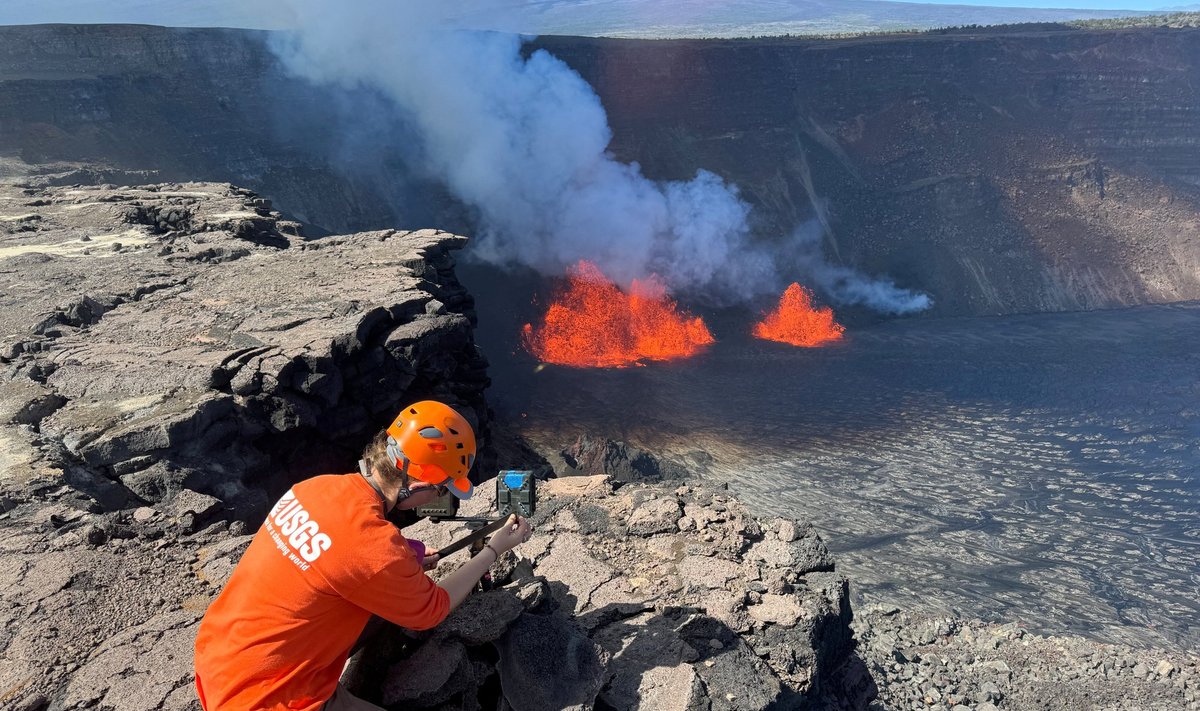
<point x="326" y="559"/>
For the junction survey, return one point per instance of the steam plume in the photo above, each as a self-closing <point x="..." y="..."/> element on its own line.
<point x="846" y="286"/>
<point x="523" y="140"/>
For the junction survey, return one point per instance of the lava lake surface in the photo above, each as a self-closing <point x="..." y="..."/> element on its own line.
<point x="1043" y="468"/>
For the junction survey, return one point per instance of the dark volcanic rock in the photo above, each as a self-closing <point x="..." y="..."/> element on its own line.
<point x="484" y="617"/>
<point x="548" y="663"/>
<point x="621" y="461"/>
<point x="437" y="671"/>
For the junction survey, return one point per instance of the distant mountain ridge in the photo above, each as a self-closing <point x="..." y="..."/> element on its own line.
<point x="613" y="18"/>
<point x="741" y="18"/>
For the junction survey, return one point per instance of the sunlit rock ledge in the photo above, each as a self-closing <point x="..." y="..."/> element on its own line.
<point x="657" y="595"/>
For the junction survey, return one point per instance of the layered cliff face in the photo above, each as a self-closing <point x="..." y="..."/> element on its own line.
<point x="1000" y="172"/>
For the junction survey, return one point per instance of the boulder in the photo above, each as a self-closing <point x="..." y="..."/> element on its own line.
<point x="195" y="503"/>
<point x="777" y="609"/>
<point x="621" y="462"/>
<point x="571" y="564"/>
<point x="596" y="485"/>
<point x="438" y="670"/>
<point x="547" y="662"/>
<point x="483" y="617"/>
<point x="676" y="688"/>
<point x="658" y="515"/>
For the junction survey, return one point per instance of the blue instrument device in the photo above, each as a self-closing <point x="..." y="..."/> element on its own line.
<point x="516" y="493"/>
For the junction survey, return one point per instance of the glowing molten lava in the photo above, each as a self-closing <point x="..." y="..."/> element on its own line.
<point x="797" y="322"/>
<point x="593" y="324"/>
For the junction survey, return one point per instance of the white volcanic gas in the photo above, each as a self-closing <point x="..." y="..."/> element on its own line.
<point x="523" y="139"/>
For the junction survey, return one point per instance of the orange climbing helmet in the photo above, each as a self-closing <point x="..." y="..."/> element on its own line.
<point x="435" y="444"/>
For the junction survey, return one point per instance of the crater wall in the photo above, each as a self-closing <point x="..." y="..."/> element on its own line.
<point x="1006" y="171"/>
<point x="1003" y="171"/>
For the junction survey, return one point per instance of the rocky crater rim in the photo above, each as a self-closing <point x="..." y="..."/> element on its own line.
<point x="207" y="335"/>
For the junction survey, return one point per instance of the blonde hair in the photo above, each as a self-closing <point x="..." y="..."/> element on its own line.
<point x="379" y="461"/>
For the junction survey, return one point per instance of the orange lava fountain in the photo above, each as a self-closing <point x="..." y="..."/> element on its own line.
<point x="797" y="322"/>
<point x="593" y="324"/>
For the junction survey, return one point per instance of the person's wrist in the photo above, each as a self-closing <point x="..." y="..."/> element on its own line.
<point x="494" y="552"/>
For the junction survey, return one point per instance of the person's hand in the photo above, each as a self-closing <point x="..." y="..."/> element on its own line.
<point x="515" y="532"/>
<point x="431" y="559"/>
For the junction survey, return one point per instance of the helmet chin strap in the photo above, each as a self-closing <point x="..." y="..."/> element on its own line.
<point x="401" y="495"/>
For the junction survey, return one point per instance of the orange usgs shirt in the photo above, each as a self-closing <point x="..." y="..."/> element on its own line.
<point x="322" y="563"/>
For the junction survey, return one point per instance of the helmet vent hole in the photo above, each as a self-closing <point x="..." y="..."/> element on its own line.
<point x="463" y="458"/>
<point x="453" y="431"/>
<point x="412" y="410"/>
<point x="431" y="433"/>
